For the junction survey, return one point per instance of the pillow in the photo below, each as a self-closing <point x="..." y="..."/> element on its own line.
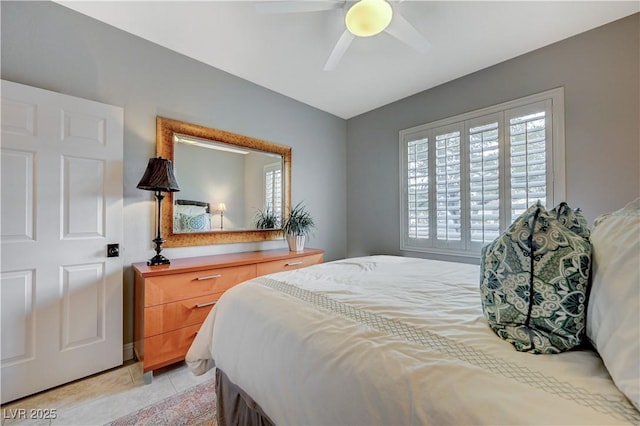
<point x="533" y="282"/>
<point x="177" y="226"/>
<point x="613" y="313"/>
<point x="571" y="219"/>
<point x="195" y="223"/>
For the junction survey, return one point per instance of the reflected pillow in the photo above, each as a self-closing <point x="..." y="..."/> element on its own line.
<point x="613" y="314"/>
<point x="533" y="282"/>
<point x="195" y="223"/>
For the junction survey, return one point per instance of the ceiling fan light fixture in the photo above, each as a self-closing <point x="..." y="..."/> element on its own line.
<point x="368" y="17"/>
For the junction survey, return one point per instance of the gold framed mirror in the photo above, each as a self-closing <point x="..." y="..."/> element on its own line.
<point x="221" y="200"/>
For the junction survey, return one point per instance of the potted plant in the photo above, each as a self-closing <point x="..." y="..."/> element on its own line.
<point x="297" y="226"/>
<point x="267" y="219"/>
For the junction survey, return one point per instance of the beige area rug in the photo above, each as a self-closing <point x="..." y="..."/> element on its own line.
<point x="195" y="406"/>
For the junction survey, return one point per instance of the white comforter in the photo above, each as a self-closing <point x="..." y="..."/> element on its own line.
<point x="388" y="340"/>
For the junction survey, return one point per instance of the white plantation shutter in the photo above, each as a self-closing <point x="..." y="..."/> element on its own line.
<point x="448" y="196"/>
<point x="418" y="188"/>
<point x="464" y="179"/>
<point x="528" y="136"/>
<point x="268" y="189"/>
<point x="273" y="188"/>
<point x="277" y="192"/>
<point x="484" y="183"/>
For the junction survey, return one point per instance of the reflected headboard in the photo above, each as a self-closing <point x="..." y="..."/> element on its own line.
<point x="194" y="203"/>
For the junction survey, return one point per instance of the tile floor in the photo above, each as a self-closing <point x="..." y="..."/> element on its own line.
<point x="102" y="398"/>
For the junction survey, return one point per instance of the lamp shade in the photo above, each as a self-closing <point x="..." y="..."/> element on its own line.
<point x="368" y="17"/>
<point x="159" y="176"/>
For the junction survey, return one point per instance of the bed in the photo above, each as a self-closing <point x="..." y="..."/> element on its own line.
<point x="391" y="340"/>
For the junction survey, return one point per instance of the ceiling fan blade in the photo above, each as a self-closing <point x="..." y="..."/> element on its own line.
<point x="275" y="7"/>
<point x="401" y="29"/>
<point x="339" y="50"/>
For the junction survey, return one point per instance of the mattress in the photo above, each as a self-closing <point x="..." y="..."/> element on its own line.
<point x="392" y="340"/>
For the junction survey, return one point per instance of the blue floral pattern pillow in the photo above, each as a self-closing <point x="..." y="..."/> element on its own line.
<point x="533" y="282"/>
<point x="195" y="223"/>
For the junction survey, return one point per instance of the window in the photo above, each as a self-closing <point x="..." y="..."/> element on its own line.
<point x="273" y="188"/>
<point x="464" y="179"/>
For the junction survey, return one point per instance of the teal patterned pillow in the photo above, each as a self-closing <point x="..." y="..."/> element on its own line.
<point x="533" y="282"/>
<point x="571" y="219"/>
<point x="195" y="223"/>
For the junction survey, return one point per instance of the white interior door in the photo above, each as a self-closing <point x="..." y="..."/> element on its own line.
<point x="61" y="204"/>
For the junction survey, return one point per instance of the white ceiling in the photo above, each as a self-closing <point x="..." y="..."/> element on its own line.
<point x="286" y="53"/>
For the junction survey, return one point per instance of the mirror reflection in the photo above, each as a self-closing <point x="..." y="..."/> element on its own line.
<point x="225" y="187"/>
<point x="225" y="178"/>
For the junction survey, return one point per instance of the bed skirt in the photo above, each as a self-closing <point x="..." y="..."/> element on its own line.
<point x="235" y="407"/>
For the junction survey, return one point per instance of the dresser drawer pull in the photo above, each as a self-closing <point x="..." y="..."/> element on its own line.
<point x="294" y="263"/>
<point x="204" y="305"/>
<point x="208" y="277"/>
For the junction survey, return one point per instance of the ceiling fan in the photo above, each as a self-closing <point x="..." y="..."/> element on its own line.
<point x="363" y="18"/>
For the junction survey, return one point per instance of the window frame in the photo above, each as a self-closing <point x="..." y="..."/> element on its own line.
<point x="553" y="102"/>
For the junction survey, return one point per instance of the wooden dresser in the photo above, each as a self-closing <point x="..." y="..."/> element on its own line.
<point x="172" y="301"/>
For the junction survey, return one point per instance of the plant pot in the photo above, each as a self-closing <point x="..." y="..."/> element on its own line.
<point x="296" y="243"/>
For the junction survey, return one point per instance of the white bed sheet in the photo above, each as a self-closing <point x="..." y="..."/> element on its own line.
<point x="390" y="340"/>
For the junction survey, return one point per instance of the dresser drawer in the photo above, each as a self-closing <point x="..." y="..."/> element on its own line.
<point x="288" y="264"/>
<point x="175" y="287"/>
<point x="167" y="348"/>
<point x="175" y="315"/>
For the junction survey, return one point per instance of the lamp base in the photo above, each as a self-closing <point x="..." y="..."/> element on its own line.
<point x="158" y="259"/>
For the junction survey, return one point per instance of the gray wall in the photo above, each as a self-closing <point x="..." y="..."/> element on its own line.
<point x="599" y="70"/>
<point x="49" y="46"/>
